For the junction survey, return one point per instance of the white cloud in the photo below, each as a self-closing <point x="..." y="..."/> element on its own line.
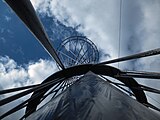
<point x="151" y="24"/>
<point x="7" y="18"/>
<point x="40" y="70"/>
<point x="41" y="5"/>
<point x="13" y="75"/>
<point x="99" y="21"/>
<point x="150" y="39"/>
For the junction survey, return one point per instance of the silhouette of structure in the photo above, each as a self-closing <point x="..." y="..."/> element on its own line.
<point x="93" y="95"/>
<point x="77" y="50"/>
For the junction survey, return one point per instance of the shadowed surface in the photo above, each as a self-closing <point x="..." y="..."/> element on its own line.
<point x="92" y="98"/>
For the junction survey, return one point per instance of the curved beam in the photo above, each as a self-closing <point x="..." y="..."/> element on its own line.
<point x="82" y="69"/>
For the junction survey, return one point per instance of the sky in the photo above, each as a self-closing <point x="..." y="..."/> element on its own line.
<point x="23" y="61"/>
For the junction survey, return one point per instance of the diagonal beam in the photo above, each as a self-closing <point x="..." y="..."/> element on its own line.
<point x="152" y="106"/>
<point x="134" y="56"/>
<point x="24" y="104"/>
<point x="34" y="89"/>
<point x="139" y="74"/>
<point x="141" y="87"/>
<point x="148" y="76"/>
<point x="118" y="85"/>
<point x="149" y="89"/>
<point x="17" y="108"/>
<point x="54" y="90"/>
<point x="26" y="12"/>
<point x="17" y="89"/>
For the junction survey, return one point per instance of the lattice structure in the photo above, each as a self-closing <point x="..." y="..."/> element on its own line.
<point x="73" y="57"/>
<point x="77" y="50"/>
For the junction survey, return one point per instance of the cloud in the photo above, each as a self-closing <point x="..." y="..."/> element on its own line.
<point x="91" y="17"/>
<point x="99" y="20"/>
<point x="13" y="75"/>
<point x="40" y="70"/>
<point x="3" y="40"/>
<point x="7" y="18"/>
<point x="150" y="39"/>
<point x="41" y="5"/>
<point x="150" y="32"/>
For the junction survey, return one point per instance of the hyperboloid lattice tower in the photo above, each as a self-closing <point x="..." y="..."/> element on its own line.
<point x="83" y="88"/>
<point x="77" y="50"/>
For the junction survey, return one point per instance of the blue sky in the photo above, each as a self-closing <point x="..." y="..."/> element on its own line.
<point x="23" y="60"/>
<point x="16" y="40"/>
<point x="18" y="43"/>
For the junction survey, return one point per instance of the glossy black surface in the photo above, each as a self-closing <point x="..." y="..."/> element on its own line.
<point x="92" y="98"/>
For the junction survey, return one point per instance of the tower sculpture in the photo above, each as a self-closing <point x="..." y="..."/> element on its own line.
<point x="77" y="50"/>
<point x="93" y="96"/>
